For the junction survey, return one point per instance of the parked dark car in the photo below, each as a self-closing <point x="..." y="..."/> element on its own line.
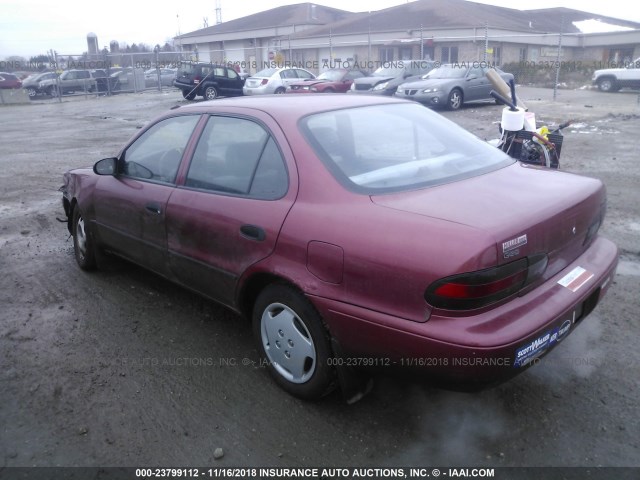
<point x="354" y="231"/>
<point x="208" y="80"/>
<point x="69" y="81"/>
<point x="385" y="80"/>
<point x="337" y="80"/>
<point x="452" y="85"/>
<point x="9" y="80"/>
<point x="32" y="83"/>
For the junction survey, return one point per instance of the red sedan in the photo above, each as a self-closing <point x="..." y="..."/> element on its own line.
<point x="9" y="80"/>
<point x="337" y="80"/>
<point x="355" y="231"/>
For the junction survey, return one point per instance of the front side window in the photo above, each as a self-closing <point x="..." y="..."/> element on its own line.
<point x="391" y="148"/>
<point x="157" y="153"/>
<point x="238" y="156"/>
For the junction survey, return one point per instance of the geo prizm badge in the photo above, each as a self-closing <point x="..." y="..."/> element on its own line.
<point x="511" y="248"/>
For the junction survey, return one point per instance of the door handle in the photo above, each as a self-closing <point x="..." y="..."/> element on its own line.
<point x="153" y="208"/>
<point x="253" y="232"/>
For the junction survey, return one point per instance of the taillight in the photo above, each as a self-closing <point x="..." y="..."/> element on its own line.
<point x="197" y="79"/>
<point x="468" y="291"/>
<point x="264" y="81"/>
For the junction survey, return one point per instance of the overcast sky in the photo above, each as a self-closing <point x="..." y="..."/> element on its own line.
<point x="32" y="27"/>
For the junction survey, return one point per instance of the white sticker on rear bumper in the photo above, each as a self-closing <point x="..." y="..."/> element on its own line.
<point x="575" y="279"/>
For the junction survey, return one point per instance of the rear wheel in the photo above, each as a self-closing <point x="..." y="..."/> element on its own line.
<point x="210" y="93"/>
<point x="188" y="94"/>
<point x="329" y="90"/>
<point x="292" y="338"/>
<point x="82" y="242"/>
<point x="279" y="91"/>
<point x="454" y="102"/>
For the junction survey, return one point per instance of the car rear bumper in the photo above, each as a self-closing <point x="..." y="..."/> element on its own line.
<point x="484" y="348"/>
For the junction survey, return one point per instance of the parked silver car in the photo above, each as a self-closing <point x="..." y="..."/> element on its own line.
<point x="32" y="83"/>
<point x="451" y="85"/>
<point x="274" y="80"/>
<point x="167" y="77"/>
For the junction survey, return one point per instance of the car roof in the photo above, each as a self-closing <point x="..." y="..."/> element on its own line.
<point x="288" y="106"/>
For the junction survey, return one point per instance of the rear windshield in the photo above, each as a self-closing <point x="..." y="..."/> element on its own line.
<point x="397" y="147"/>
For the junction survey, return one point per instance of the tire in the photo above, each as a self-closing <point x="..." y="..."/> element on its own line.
<point x="454" y="101"/>
<point x="279" y="91"/>
<point x="607" y="84"/>
<point x="53" y="91"/>
<point x="83" y="246"/>
<point x="328" y="90"/>
<point x="294" y="342"/>
<point x="189" y="95"/>
<point x="210" y="93"/>
<point x="32" y="92"/>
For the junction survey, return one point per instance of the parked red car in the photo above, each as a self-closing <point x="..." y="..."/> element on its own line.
<point x="355" y="231"/>
<point x="337" y="80"/>
<point x="9" y="80"/>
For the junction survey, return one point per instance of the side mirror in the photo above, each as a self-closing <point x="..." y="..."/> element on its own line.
<point x="106" y="166"/>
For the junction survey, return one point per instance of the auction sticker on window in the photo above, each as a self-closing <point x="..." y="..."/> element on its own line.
<point x="575" y="279"/>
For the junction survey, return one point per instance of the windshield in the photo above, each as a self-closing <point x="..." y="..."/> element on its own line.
<point x="447" y="71"/>
<point x="330" y="75"/>
<point x="396" y="147"/>
<point x="389" y="71"/>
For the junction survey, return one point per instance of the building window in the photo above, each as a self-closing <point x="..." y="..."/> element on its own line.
<point x="449" y="55"/>
<point x="620" y="56"/>
<point x="523" y="54"/>
<point x="386" y="54"/>
<point x="497" y="55"/>
<point x="454" y="54"/>
<point x="406" y="53"/>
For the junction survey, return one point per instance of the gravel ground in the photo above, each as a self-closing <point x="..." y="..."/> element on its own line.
<point x="121" y="368"/>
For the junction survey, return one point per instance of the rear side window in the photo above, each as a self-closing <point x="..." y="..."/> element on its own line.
<point x="238" y="156"/>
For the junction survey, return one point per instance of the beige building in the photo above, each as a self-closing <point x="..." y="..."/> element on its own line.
<point x="318" y="37"/>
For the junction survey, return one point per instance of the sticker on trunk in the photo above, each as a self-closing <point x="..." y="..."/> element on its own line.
<point x="575" y="279"/>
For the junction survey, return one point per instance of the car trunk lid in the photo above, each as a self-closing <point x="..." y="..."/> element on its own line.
<point x="528" y="211"/>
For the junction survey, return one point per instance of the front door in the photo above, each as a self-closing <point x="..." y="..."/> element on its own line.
<point x="130" y="207"/>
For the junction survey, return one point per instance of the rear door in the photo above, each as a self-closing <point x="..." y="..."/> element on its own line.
<point x="130" y="207"/>
<point x="228" y="211"/>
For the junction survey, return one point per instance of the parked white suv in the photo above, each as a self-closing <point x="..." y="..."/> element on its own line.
<point x="613" y="79"/>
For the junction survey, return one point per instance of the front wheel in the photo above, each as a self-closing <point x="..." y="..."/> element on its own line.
<point x="454" y="101"/>
<point x="210" y="93"/>
<point x="279" y="91"/>
<point x="82" y="242"/>
<point x="31" y="92"/>
<point x="293" y="340"/>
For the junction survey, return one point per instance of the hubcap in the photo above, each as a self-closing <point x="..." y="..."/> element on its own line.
<point x="455" y="100"/>
<point x="287" y="343"/>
